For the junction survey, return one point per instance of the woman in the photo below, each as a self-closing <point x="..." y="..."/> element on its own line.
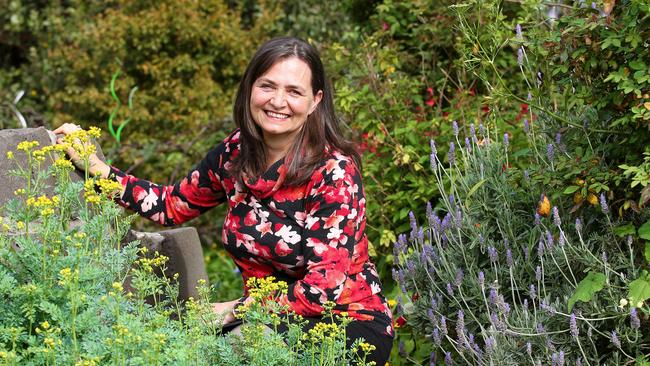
<point x="296" y="206"/>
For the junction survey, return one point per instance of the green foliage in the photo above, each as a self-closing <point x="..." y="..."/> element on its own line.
<point x="587" y="288"/>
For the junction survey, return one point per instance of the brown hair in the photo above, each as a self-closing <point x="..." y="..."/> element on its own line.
<point x="321" y="129"/>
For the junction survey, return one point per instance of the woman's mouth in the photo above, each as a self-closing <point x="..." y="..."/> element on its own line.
<point x="277" y="115"/>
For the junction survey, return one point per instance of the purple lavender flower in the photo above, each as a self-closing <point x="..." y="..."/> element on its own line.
<point x="481" y="279"/>
<point x="452" y="199"/>
<point x="529" y="97"/>
<point x="533" y="292"/>
<point x="481" y="129"/>
<point x="434" y="304"/>
<point x="472" y="131"/>
<point x="454" y="126"/>
<point x="556" y="217"/>
<point x="413" y="222"/>
<point x="554" y="359"/>
<point x="506" y="140"/>
<point x="434" y="156"/>
<point x="451" y="158"/>
<point x="603" y="204"/>
<point x="549" y="240"/>
<point x="560" y="359"/>
<point x="459" y="277"/>
<point x="492" y="253"/>
<point x="615" y="341"/>
<point x="443" y="325"/>
<point x="481" y="240"/>
<point x="520" y="56"/>
<point x="593" y="5"/>
<point x="526" y="175"/>
<point x="448" y="360"/>
<point x="579" y="361"/>
<point x="420" y="235"/>
<point x="538" y="273"/>
<point x="578" y="225"/>
<point x="529" y="349"/>
<point x="560" y="239"/>
<point x="526" y="125"/>
<point x="525" y="305"/>
<point x="518" y="32"/>
<point x="431" y="315"/>
<point x="450" y="290"/>
<point x="489" y="345"/>
<point x="540" y="248"/>
<point x="550" y="153"/>
<point x="573" y="325"/>
<point x="460" y="324"/>
<point x="635" y="323"/>
<point x="493" y="297"/>
<point x="538" y="219"/>
<point x="558" y="139"/>
<point x="433" y="359"/>
<point x="509" y="260"/>
<point x="468" y="145"/>
<point x="603" y="256"/>
<point x="436" y="337"/>
<point x="540" y="328"/>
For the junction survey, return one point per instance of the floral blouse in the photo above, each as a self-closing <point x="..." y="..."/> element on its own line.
<point x="311" y="236"/>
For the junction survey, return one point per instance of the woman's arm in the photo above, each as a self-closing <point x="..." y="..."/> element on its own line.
<point x="174" y="204"/>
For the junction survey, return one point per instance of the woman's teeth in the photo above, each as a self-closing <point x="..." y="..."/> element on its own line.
<point x="276" y="115"/>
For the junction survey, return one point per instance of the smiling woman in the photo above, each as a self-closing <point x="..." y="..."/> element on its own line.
<point x="292" y="182"/>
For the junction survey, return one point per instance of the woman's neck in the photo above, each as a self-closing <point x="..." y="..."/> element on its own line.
<point x="274" y="151"/>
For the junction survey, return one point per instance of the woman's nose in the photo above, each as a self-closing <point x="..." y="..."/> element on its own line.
<point x="278" y="99"/>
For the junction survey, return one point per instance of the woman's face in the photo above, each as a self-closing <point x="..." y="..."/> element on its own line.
<point x="282" y="98"/>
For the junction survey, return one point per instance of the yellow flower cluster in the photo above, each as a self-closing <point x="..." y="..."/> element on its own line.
<point x="44" y="204"/>
<point x="50" y="339"/>
<point x="90" y="195"/>
<point x="81" y="142"/>
<point x="324" y="332"/>
<point x="10" y="155"/>
<point x="67" y="276"/>
<point x="63" y="164"/>
<point x="88" y="362"/>
<point x="148" y="264"/>
<point x="262" y="288"/>
<point x="366" y="347"/>
<point x="109" y="187"/>
<point x="27" y="145"/>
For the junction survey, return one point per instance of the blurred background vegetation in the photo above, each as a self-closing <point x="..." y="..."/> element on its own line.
<point x="403" y="71"/>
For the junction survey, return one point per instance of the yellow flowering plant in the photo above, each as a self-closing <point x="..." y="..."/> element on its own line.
<point x="76" y="295"/>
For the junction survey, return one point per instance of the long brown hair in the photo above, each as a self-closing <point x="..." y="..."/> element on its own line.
<point x="321" y="129"/>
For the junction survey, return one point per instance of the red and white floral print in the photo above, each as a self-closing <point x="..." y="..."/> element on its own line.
<point x="312" y="236"/>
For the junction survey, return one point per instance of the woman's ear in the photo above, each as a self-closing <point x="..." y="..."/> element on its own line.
<point x="317" y="98"/>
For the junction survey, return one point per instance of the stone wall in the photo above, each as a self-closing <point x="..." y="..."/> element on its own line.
<point x="181" y="245"/>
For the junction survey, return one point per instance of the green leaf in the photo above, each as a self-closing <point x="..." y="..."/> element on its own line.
<point x="639" y="289"/>
<point x="587" y="288"/>
<point x="475" y="188"/>
<point x="647" y="251"/>
<point x="625" y="230"/>
<point x="637" y="65"/>
<point x="571" y="189"/>
<point x="644" y="231"/>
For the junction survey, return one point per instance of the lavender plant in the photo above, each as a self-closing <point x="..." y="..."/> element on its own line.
<point x="497" y="278"/>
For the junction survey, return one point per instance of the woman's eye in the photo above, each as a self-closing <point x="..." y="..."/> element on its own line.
<point x="295" y="92"/>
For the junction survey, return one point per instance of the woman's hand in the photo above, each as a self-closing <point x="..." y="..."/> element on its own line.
<point x="96" y="167"/>
<point x="226" y="309"/>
